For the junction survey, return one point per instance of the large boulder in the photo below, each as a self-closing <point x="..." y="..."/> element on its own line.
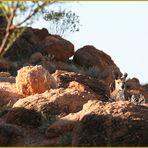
<point x="90" y="56"/>
<point x="119" y="124"/>
<point x="61" y="48"/>
<point x="8" y="91"/>
<point x="58" y="101"/>
<point x="4" y="64"/>
<point x="104" y="124"/>
<point x="98" y="86"/>
<point x="26" y="44"/>
<point x="133" y="87"/>
<point x="10" y="135"/>
<point x="34" y="79"/>
<point x="23" y="117"/>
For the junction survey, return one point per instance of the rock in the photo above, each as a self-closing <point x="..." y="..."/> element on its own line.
<point x="23" y="117"/>
<point x="8" y="91"/>
<point x="133" y="84"/>
<point x="26" y="44"/>
<point x="104" y="124"/>
<point x="36" y="58"/>
<point x="58" y="101"/>
<point x="116" y="124"/>
<point x="34" y="79"/>
<point x="99" y="87"/>
<point x="4" y="64"/>
<point x="40" y="33"/>
<point x="134" y="88"/>
<point x="90" y="56"/>
<point x="59" y="47"/>
<point x="108" y="75"/>
<point x="10" y="135"/>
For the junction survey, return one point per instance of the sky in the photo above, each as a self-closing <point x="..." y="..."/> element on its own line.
<point x="120" y="29"/>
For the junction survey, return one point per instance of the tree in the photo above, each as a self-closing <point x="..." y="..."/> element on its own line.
<point x="62" y="22"/>
<point x="10" y="12"/>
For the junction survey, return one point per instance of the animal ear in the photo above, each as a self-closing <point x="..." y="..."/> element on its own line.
<point x="112" y="86"/>
<point x="125" y="75"/>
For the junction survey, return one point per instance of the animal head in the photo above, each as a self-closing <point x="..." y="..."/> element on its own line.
<point x="119" y="83"/>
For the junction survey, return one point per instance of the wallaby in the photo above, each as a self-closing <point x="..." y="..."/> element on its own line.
<point x="117" y="88"/>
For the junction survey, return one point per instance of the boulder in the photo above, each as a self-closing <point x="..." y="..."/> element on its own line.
<point x="104" y="124"/>
<point x="133" y="87"/>
<point x="58" y="101"/>
<point x="10" y="135"/>
<point x="36" y="58"/>
<point x="123" y="124"/>
<point x="98" y="86"/>
<point x="34" y="79"/>
<point x="90" y="56"/>
<point x="4" y="64"/>
<point x="26" y="44"/>
<point x="23" y="117"/>
<point x="8" y="91"/>
<point x="40" y="33"/>
<point x="61" y="48"/>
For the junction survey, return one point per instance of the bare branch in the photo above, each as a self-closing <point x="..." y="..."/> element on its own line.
<point x="9" y="24"/>
<point x="33" y="13"/>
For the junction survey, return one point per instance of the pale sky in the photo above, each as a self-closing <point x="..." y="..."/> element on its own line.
<point x="120" y="29"/>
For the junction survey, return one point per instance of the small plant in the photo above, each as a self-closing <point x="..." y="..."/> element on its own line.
<point x="93" y="71"/>
<point x="5" y="108"/>
<point x="137" y="100"/>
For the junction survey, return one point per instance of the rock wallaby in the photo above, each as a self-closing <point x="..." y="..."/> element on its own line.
<point x="117" y="88"/>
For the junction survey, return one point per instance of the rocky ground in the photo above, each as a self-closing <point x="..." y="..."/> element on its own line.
<point x="47" y="99"/>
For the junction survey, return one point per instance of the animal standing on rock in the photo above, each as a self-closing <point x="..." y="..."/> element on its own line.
<point x="117" y="88"/>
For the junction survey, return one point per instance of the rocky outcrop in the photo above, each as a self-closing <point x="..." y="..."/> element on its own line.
<point x="99" y="87"/>
<point x="23" y="117"/>
<point x="58" y="101"/>
<point x="59" y="47"/>
<point x="90" y="56"/>
<point x="25" y="45"/>
<point x="10" y="135"/>
<point x="33" y="40"/>
<point x="34" y="79"/>
<point x="104" y="124"/>
<point x="133" y="87"/>
<point x="8" y="91"/>
<point x="4" y="64"/>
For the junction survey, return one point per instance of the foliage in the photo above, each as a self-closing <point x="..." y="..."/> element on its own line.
<point x="62" y="22"/>
<point x="5" y="108"/>
<point x="93" y="71"/>
<point x="16" y="14"/>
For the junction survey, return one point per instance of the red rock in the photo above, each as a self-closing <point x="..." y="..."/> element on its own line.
<point x="23" y="117"/>
<point x="36" y="58"/>
<point x="40" y="33"/>
<point x="10" y="135"/>
<point x="58" y="101"/>
<point x="4" y="64"/>
<point x="59" y="47"/>
<point x="90" y="56"/>
<point x="34" y="79"/>
<point x="99" y="87"/>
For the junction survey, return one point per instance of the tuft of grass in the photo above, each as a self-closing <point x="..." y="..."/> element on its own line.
<point x="93" y="71"/>
<point x="5" y="108"/>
